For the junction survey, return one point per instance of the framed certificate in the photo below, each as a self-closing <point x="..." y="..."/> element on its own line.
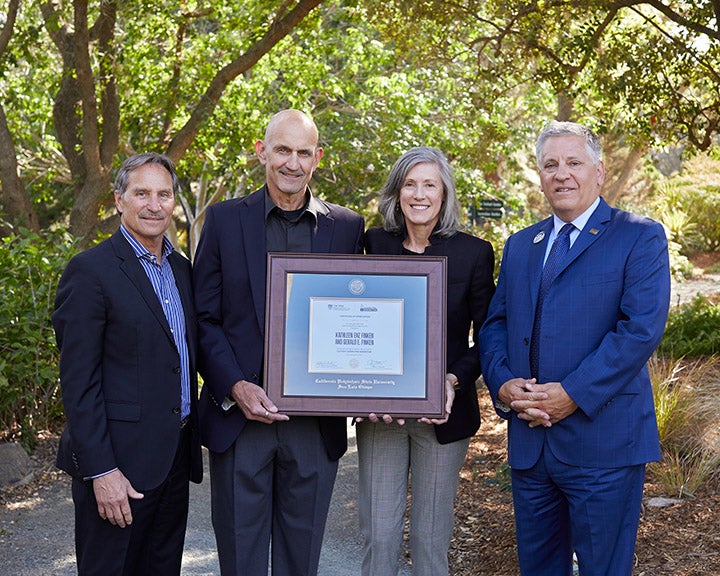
<point x="347" y="335"/>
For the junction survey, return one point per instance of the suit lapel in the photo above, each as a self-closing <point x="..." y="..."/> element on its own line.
<point x="595" y="227"/>
<point x="252" y="225"/>
<point x="134" y="271"/>
<point x="323" y="232"/>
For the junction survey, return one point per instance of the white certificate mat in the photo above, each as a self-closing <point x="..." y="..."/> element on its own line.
<point x="355" y="336"/>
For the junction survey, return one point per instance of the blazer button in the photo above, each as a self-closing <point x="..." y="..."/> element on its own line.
<point x="176" y="410"/>
<point x="176" y="370"/>
<point x="254" y="377"/>
<point x="526" y="341"/>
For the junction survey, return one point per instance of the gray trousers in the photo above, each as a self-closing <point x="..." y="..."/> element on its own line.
<point x="388" y="454"/>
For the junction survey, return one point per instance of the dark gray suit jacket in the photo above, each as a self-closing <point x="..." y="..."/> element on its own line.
<point x="229" y="278"/>
<point x="120" y="368"/>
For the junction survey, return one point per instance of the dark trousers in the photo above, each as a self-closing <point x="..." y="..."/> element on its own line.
<point x="275" y="482"/>
<point x="153" y="544"/>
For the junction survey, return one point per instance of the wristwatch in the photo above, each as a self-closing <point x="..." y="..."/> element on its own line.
<point x="500" y="405"/>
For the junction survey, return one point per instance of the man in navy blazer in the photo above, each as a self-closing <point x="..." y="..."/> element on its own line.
<point x="271" y="476"/>
<point x="581" y="420"/>
<point x="125" y="325"/>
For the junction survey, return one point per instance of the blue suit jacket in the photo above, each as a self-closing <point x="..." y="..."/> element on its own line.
<point x="602" y="319"/>
<point x="229" y="277"/>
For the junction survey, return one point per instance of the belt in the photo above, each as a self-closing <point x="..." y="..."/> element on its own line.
<point x="184" y="422"/>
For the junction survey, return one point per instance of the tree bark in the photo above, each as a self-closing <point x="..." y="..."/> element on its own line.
<point x="16" y="204"/>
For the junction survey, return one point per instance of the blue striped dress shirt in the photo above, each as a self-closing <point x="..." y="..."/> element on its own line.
<point x="163" y="282"/>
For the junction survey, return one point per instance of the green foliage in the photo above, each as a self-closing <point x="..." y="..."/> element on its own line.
<point x="502" y="478"/>
<point x="689" y="204"/>
<point x="687" y="405"/>
<point x="692" y="329"/>
<point x="29" y="390"/>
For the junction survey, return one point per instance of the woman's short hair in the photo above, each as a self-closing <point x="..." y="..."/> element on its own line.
<point x="389" y="203"/>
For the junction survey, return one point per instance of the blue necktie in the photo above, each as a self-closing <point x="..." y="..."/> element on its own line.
<point x="558" y="251"/>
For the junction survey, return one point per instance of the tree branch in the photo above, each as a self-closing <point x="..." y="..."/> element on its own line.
<point x="7" y="30"/>
<point x="277" y="31"/>
<point x="674" y="16"/>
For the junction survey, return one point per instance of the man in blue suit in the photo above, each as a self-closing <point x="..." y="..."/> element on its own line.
<point x="564" y="352"/>
<point x="271" y="476"/>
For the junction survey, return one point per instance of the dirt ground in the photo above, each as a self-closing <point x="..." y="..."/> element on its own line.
<point x="680" y="540"/>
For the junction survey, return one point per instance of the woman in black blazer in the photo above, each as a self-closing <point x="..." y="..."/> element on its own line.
<point x="421" y="216"/>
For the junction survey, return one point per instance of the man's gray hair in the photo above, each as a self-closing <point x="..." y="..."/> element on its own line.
<point x="138" y="160"/>
<point x="592" y="142"/>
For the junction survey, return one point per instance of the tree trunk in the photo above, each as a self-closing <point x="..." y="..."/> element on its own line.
<point x="16" y="204"/>
<point x="613" y="190"/>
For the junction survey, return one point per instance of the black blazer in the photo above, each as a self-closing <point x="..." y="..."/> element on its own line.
<point x="120" y="368"/>
<point x="229" y="279"/>
<point x="470" y="286"/>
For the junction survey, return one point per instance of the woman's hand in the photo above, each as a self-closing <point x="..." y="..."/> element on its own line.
<point x="450" y="382"/>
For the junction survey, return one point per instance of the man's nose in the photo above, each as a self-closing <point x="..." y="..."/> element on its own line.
<point x="562" y="172"/>
<point x="154" y="202"/>
<point x="293" y="161"/>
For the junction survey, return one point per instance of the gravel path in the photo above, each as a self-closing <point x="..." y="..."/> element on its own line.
<point x="682" y="292"/>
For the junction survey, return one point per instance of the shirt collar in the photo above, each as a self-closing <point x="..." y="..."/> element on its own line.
<point x="312" y="204"/>
<point x="140" y="250"/>
<point x="580" y="221"/>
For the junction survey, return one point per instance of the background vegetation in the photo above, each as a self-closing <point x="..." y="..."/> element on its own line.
<point x="85" y="84"/>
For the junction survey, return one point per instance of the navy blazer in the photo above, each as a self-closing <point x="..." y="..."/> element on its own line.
<point x="229" y="276"/>
<point x="470" y="286"/>
<point x="603" y="317"/>
<point x="120" y="368"/>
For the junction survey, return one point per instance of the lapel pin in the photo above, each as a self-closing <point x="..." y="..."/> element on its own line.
<point x="540" y="235"/>
<point x="593" y="231"/>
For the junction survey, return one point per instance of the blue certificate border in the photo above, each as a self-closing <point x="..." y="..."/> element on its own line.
<point x="294" y="279"/>
<point x="411" y="289"/>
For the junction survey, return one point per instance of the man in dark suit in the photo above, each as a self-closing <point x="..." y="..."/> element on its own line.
<point x="580" y="306"/>
<point x="126" y="329"/>
<point x="271" y="476"/>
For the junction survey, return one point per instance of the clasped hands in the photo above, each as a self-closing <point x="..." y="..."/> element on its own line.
<point x="537" y="404"/>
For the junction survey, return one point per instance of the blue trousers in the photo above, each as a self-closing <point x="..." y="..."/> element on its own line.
<point x="561" y="508"/>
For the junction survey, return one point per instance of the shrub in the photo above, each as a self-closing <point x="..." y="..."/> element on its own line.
<point x="30" y="267"/>
<point x="689" y="204"/>
<point x="687" y="404"/>
<point x="692" y="329"/>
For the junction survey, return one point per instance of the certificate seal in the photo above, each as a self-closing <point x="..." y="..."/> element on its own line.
<point x="356" y="286"/>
